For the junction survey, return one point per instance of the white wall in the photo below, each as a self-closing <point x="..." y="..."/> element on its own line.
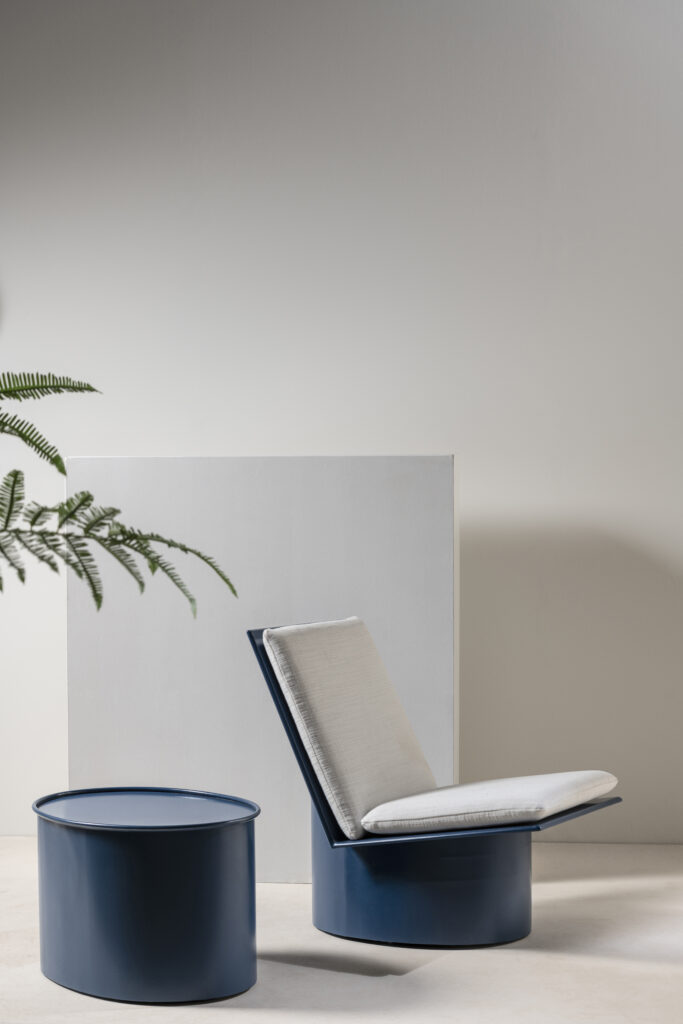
<point x="319" y="228"/>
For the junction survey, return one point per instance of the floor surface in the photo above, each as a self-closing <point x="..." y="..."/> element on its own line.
<point x="606" y="948"/>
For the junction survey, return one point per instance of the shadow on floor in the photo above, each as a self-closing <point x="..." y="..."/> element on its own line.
<point x="315" y="983"/>
<point x="365" y="966"/>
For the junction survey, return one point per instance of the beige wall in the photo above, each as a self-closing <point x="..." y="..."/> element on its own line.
<point x="378" y="227"/>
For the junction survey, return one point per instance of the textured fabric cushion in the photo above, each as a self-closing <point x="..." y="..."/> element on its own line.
<point x="496" y="802"/>
<point x="348" y="714"/>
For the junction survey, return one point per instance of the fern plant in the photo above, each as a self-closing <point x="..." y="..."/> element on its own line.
<point x="72" y="531"/>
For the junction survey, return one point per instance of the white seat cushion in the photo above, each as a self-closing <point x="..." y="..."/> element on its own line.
<point x="527" y="798"/>
<point x="351" y="722"/>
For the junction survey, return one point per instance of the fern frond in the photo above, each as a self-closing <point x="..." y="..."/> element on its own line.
<point x="122" y="535"/>
<point x="172" y="573"/>
<point x="80" y="551"/>
<point x="157" y="538"/>
<point x="211" y="562"/>
<point x="31" y="436"/>
<point x="73" y="508"/>
<point x="19" y="386"/>
<point x="64" y="533"/>
<point x="37" y="515"/>
<point x="9" y="553"/>
<point x="56" y="543"/>
<point x="137" y="541"/>
<point x="123" y="557"/>
<point x="11" y="498"/>
<point x="95" y="518"/>
<point x="36" y="546"/>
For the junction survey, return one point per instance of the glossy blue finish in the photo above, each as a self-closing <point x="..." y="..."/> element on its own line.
<point x="151" y="911"/>
<point x="455" y="891"/>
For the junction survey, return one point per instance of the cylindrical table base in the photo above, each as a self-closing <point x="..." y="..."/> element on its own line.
<point x="148" y="917"/>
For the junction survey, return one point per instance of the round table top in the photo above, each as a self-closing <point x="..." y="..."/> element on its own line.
<point x="143" y="808"/>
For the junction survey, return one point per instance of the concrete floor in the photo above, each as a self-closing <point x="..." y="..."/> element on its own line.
<point x="606" y="948"/>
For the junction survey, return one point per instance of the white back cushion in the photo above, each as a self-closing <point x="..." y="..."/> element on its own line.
<point x="355" y="731"/>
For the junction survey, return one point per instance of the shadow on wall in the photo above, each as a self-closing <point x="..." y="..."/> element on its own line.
<point x="572" y="657"/>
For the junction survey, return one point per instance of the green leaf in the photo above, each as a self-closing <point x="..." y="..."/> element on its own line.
<point x="138" y="542"/>
<point x="11" y="498"/>
<point x="37" y="515"/>
<point x="31" y="436"/>
<point x="73" y="508"/>
<point x="37" y="547"/>
<point x="95" y="518"/>
<point x="122" y="556"/>
<point x="79" y="549"/>
<point x="19" y="386"/>
<point x="172" y="573"/>
<point x="9" y="553"/>
<point x="207" y="559"/>
<point x="56" y="542"/>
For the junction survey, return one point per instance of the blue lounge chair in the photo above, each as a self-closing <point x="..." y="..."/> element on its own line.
<point x="395" y="858"/>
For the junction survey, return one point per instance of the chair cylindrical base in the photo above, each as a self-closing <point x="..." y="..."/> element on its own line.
<point x="454" y="891"/>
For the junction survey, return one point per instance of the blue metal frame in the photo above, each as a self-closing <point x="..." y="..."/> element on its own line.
<point x="465" y="887"/>
<point x="329" y="822"/>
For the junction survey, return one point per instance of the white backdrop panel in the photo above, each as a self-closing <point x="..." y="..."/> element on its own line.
<point x="157" y="698"/>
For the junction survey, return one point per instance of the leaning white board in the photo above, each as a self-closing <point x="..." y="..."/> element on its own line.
<point x="159" y="698"/>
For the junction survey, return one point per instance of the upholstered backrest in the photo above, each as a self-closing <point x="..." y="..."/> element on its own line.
<point x="351" y="722"/>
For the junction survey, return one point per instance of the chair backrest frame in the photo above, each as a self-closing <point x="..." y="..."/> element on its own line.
<point x="320" y="803"/>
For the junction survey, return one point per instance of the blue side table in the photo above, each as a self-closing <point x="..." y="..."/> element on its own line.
<point x="147" y="895"/>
